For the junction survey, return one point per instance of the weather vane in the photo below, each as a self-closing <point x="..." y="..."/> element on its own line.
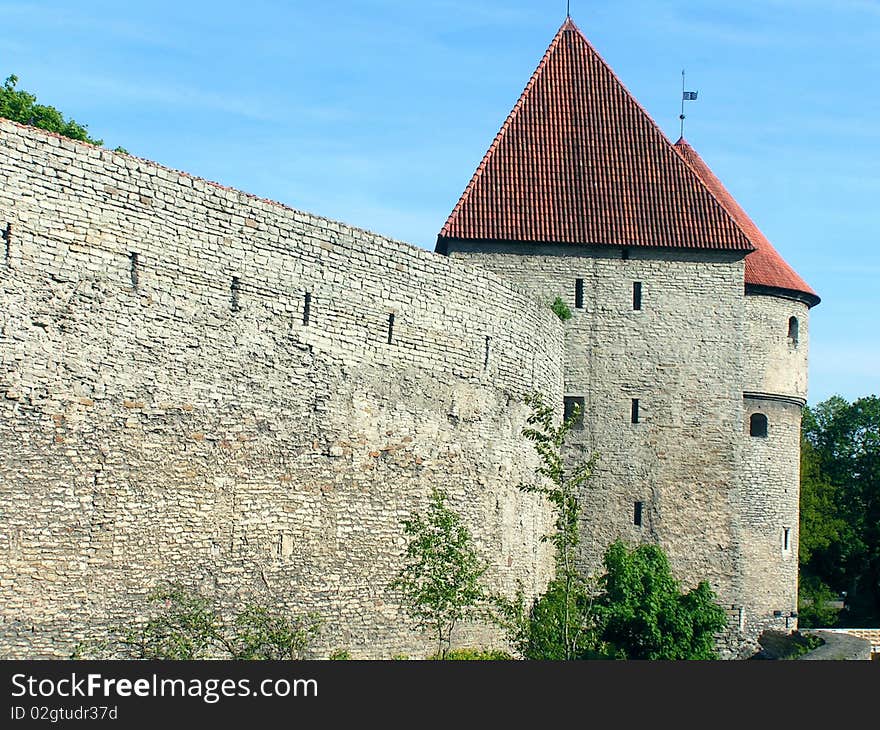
<point x="685" y="96"/>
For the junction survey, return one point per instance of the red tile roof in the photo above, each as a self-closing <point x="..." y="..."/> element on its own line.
<point x="764" y="266"/>
<point x="580" y="161"/>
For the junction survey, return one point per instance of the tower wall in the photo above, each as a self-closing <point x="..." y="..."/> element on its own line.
<point x="173" y="417"/>
<point x="775" y="388"/>
<point x="680" y="355"/>
<point x="775" y="364"/>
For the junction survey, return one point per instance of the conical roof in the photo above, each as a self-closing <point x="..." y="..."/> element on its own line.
<point x="764" y="266"/>
<point x="579" y="161"/>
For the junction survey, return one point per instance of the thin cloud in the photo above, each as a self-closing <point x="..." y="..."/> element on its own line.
<point x="175" y="96"/>
<point x="74" y="18"/>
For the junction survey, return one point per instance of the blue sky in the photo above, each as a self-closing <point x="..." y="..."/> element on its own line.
<point x="377" y="112"/>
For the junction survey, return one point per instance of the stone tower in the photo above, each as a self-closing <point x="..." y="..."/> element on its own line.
<point x="777" y="304"/>
<point x="688" y="335"/>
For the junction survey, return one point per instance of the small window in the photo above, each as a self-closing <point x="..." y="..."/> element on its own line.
<point x="573" y="404"/>
<point x="579" y="293"/>
<point x="793" y="327"/>
<point x="133" y="261"/>
<point x="637" y="513"/>
<point x="786" y="538"/>
<point x="234" y="290"/>
<point x="7" y="236"/>
<point x="758" y="425"/>
<point x="624" y="254"/>
<point x="634" y="413"/>
<point x="637" y="295"/>
<point x="307" y="308"/>
<point x="390" y="328"/>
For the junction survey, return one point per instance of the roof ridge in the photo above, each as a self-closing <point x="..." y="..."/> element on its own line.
<point x="633" y="100"/>
<point x="507" y="122"/>
<point x="765" y="266"/>
<point x="579" y="160"/>
<point x="682" y="141"/>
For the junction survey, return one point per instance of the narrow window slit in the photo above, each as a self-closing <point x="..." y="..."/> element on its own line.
<point x="307" y="308"/>
<point x="579" y="293"/>
<point x="634" y="412"/>
<point x="786" y="538"/>
<point x="234" y="290"/>
<point x="390" y="328"/>
<point x="133" y="269"/>
<point x="7" y="236"/>
<point x="637" y="295"/>
<point x="637" y="513"/>
<point x="572" y="405"/>
<point x="487" y="352"/>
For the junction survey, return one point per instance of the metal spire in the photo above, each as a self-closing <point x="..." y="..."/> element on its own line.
<point x="685" y="96"/>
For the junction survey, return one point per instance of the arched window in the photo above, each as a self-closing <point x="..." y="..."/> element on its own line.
<point x="758" y="425"/>
<point x="793" y="327"/>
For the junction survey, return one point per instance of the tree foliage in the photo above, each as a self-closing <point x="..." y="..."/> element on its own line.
<point x="816" y="604"/>
<point x="840" y="505"/>
<point x="258" y="633"/>
<point x="635" y="610"/>
<point x="440" y="580"/>
<point x="21" y="106"/>
<point x="644" y="615"/>
<point x="561" y="309"/>
<point x="185" y="625"/>
<point x="559" y="624"/>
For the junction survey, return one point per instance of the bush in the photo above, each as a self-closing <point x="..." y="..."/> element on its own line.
<point x="545" y="638"/>
<point x="478" y="655"/>
<point x="643" y="613"/>
<point x="257" y="633"/>
<point x="561" y="309"/>
<point x="814" y="604"/>
<point x="186" y="625"/>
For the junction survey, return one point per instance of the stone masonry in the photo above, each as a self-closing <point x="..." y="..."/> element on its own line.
<point x="168" y="410"/>
<point x="201" y="386"/>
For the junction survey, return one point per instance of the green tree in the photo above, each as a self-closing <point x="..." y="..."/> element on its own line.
<point x="440" y="582"/>
<point x="815" y="608"/>
<point x="559" y="624"/>
<point x="22" y="107"/>
<point x="644" y="614"/>
<point x="840" y="493"/>
<point x="259" y="633"/>
<point x="185" y="625"/>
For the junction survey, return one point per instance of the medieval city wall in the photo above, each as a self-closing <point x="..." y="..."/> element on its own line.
<point x="202" y="386"/>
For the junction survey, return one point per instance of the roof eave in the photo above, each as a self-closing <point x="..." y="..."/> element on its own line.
<point x="808" y="298"/>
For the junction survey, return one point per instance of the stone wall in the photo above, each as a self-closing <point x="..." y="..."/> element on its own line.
<point x="775" y="387"/>
<point x="169" y="411"/>
<point x="776" y="363"/>
<point x="680" y="355"/>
